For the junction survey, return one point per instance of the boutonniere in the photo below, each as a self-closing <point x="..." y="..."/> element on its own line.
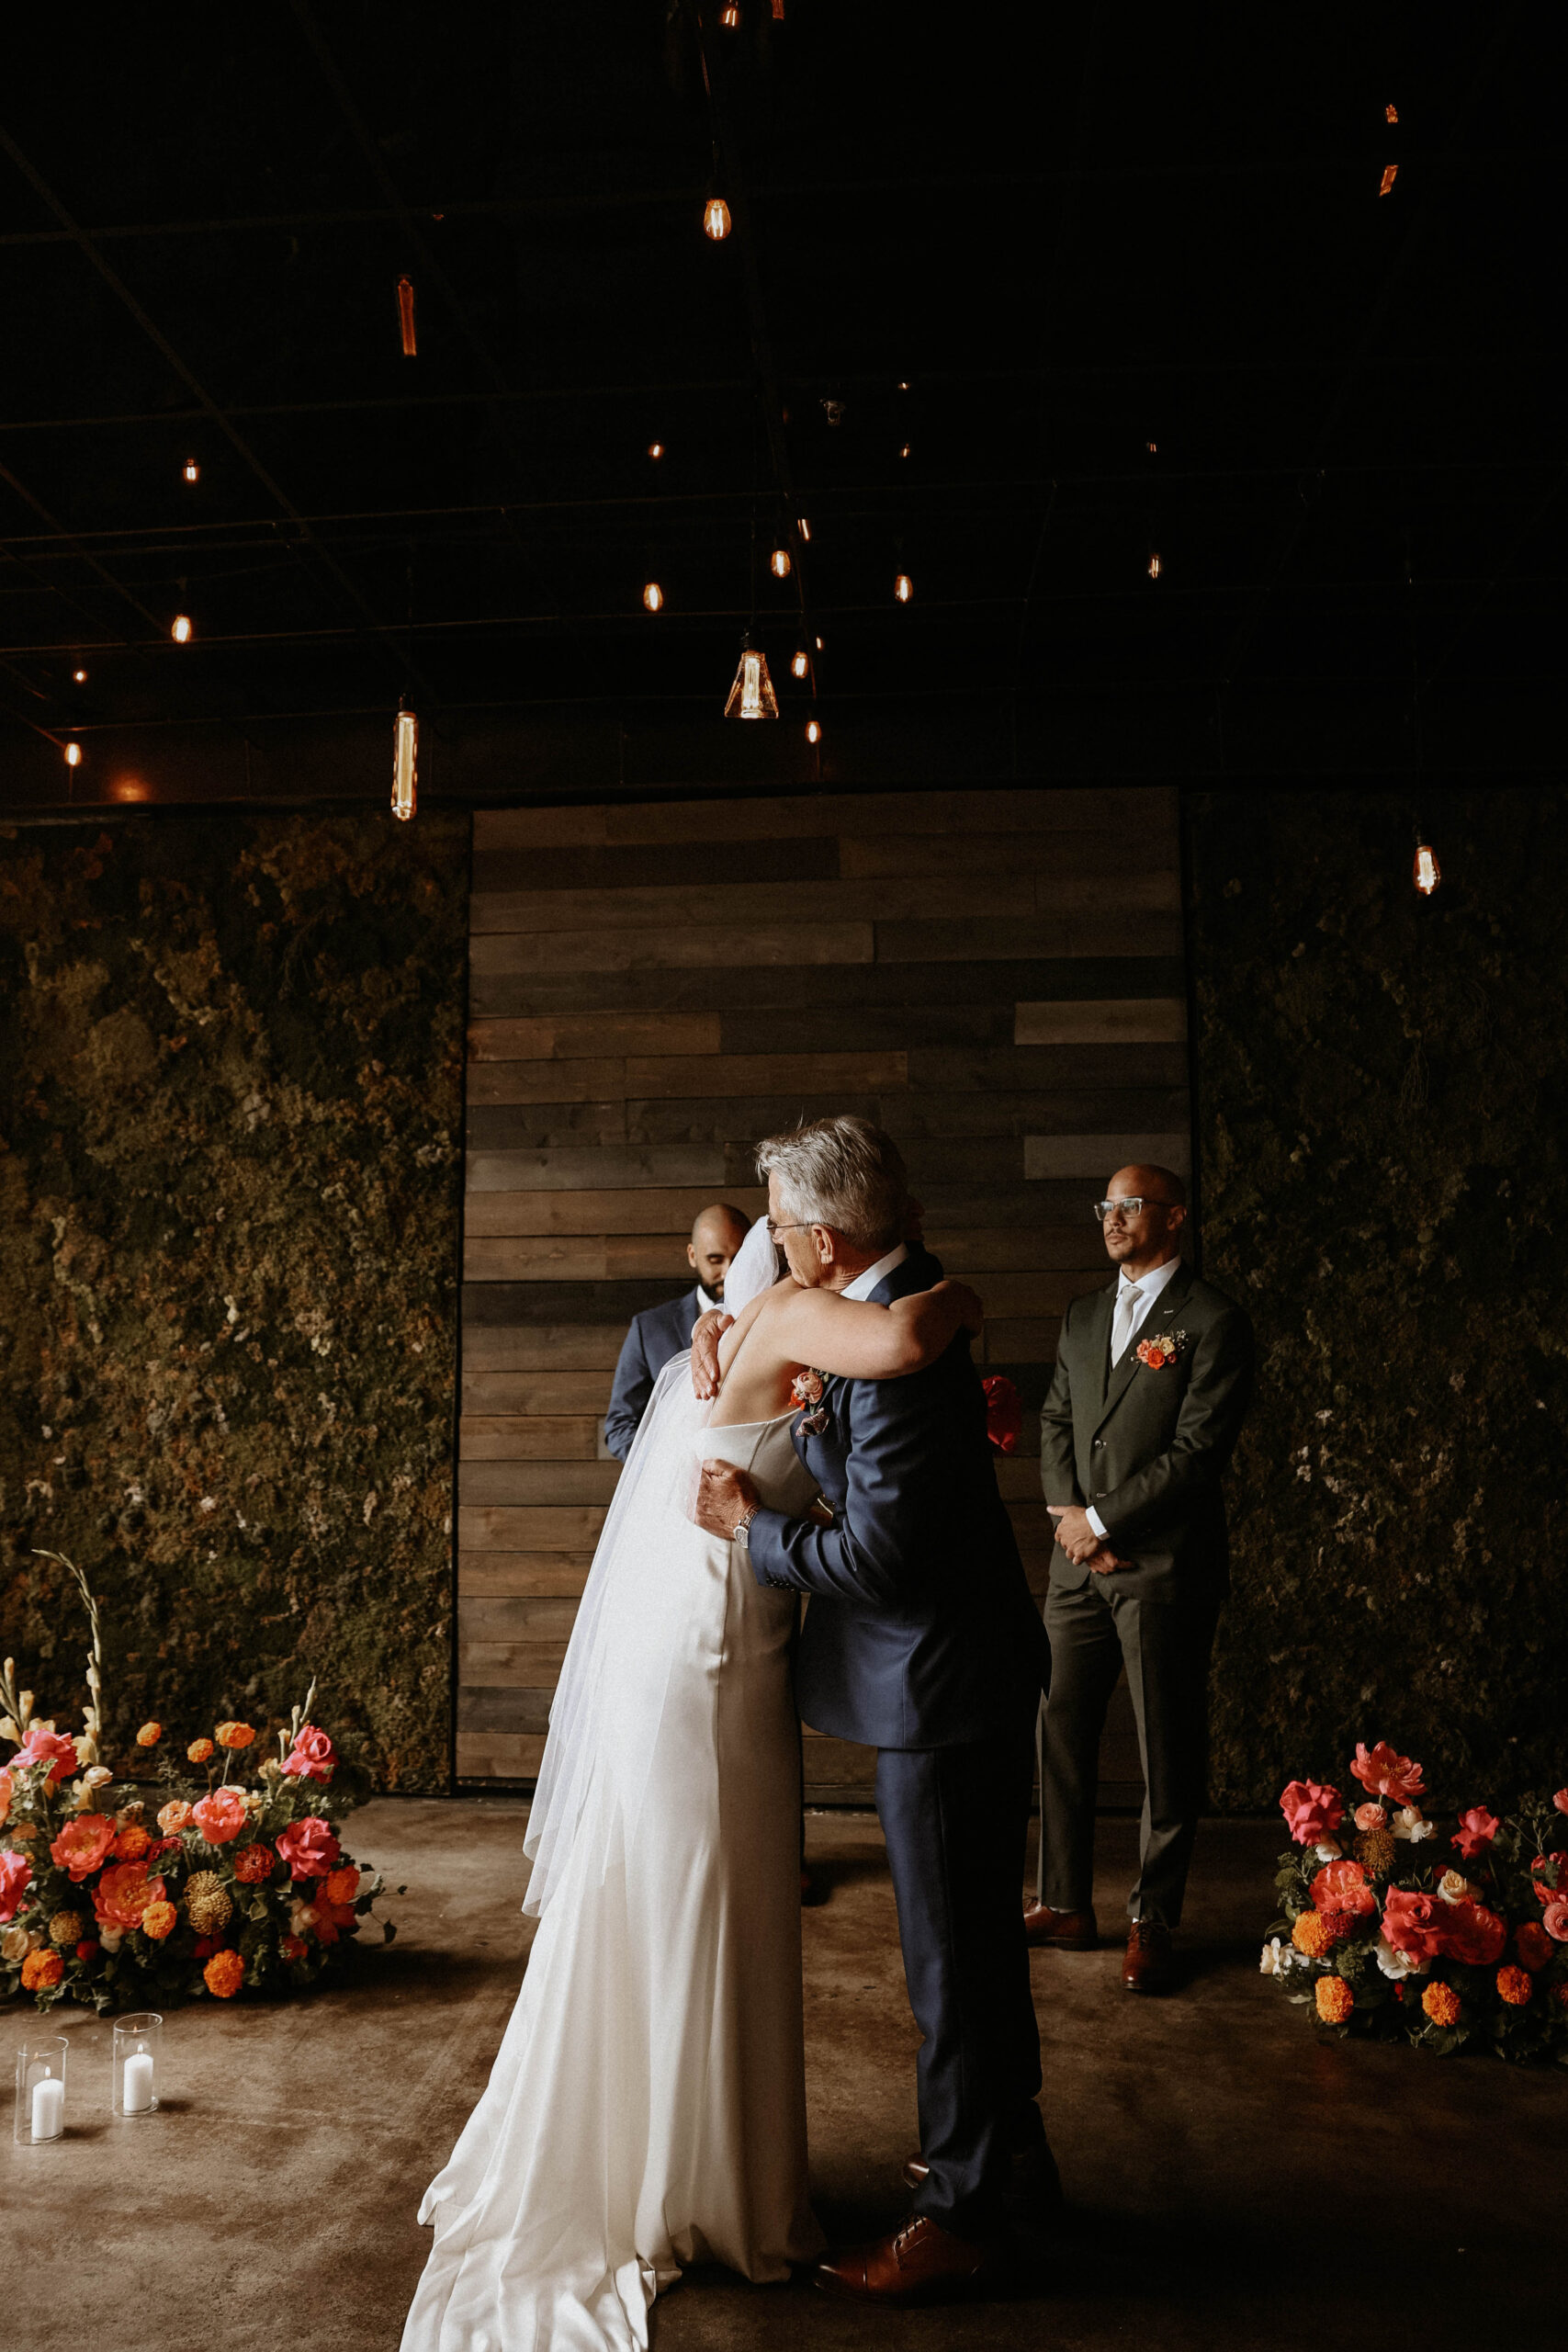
<point x="808" y="1388"/>
<point x="1157" y="1352"/>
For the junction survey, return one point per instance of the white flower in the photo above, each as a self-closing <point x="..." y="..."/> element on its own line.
<point x="1396" y="1963"/>
<point x="301" y="1916"/>
<point x="110" y="1938"/>
<point x="1454" y="1887"/>
<point x="1278" y="1958"/>
<point x="1328" y="1851"/>
<point x="1407" y="1822"/>
<point x="14" y="1946"/>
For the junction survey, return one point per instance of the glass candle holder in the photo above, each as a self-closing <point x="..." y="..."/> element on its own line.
<point x="138" y="2063"/>
<point x="40" y="2091"/>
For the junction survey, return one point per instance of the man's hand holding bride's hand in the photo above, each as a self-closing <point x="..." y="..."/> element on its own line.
<point x="725" y="1495"/>
<point x="706" y="1334"/>
<point x="1080" y="1542"/>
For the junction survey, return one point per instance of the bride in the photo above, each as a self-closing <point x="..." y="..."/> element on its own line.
<point x="646" y="2109"/>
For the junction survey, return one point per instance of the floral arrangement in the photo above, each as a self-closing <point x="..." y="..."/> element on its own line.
<point x="238" y="1881"/>
<point x="1389" y="1928"/>
<point x="1004" y="1412"/>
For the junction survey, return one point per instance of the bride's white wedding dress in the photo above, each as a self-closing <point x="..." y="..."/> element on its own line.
<point x="646" y="2108"/>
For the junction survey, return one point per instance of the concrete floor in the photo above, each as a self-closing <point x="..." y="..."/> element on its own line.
<point x="1231" y="2182"/>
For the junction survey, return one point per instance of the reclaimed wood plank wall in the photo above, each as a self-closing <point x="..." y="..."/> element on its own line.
<point x="995" y="976"/>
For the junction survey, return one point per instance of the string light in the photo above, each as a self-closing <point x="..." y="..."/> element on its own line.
<point x="903" y="588"/>
<point x="729" y="17"/>
<point x="804" y="527"/>
<point x="800" y="663"/>
<point x="183" y="629"/>
<point x="192" y="470"/>
<point x="1429" y="873"/>
<point x="779" y="564"/>
<point x="656" y="450"/>
<point x="1391" y="114"/>
<point x="819" y="645"/>
<point x="1154" y="566"/>
<point x="405" y="764"/>
<point x="715" y="219"/>
<point x="1390" y="173"/>
<point x="652" y="597"/>
<point x="80" y="676"/>
<point x="751" y="695"/>
<point x="906" y="450"/>
<point x="405" y="317"/>
<point x="73" y="756"/>
<point x="778" y="12"/>
<point x="813" y="732"/>
<point x="1150" y="446"/>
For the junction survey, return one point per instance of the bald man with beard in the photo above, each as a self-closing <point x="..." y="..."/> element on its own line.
<point x="1154" y="1376"/>
<point x="660" y="1332"/>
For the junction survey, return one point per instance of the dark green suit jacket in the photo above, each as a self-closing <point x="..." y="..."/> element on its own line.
<point x="1147" y="1447"/>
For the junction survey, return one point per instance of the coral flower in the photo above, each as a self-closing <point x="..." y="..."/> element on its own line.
<point x="83" y="1845"/>
<point x="1477" y="1828"/>
<point x="174" y="1816"/>
<point x="1475" y="1935"/>
<point x="220" y="1816"/>
<point x="1532" y="1944"/>
<point x="158" y="1919"/>
<point x="1334" y="1999"/>
<point x="6" y="1793"/>
<point x="1312" y="1810"/>
<point x="1554" y="1919"/>
<point x="1372" y="1817"/>
<point x="1386" y="1774"/>
<point x="44" y="1745"/>
<point x="311" y="1757"/>
<point x="1561" y="1800"/>
<point x="235" y="1735"/>
<point x="1342" y="1886"/>
<point x="41" y="1970"/>
<point x="1441" y="2003"/>
<point x="123" y="1893"/>
<point x="15" y="1877"/>
<point x="199" y="1750"/>
<point x="224" y="1975"/>
<point x="253" y="1863"/>
<point x="1514" y="1986"/>
<point x="150" y="1735"/>
<point x="310" y="1846"/>
<point x="1416" y="1924"/>
<point x="132" y="1843"/>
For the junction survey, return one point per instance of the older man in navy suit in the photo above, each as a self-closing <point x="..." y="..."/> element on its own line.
<point x="921" y="1640"/>
<point x="660" y="1332"/>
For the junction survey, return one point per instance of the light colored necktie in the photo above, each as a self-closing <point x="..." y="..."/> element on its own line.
<point x="1126" y="1311"/>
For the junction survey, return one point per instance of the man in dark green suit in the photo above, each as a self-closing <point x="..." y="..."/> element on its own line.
<point x="1153" y="1380"/>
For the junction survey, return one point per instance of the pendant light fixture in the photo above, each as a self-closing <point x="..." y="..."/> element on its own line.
<point x="779" y="562"/>
<point x="751" y="695"/>
<point x="1427" y="873"/>
<point x="182" y="628"/>
<point x="800" y="665"/>
<point x="716" y="220"/>
<point x="903" y="588"/>
<point x="813" y="732"/>
<point x="192" y="470"/>
<point x="406" y="319"/>
<point x="652" y="597"/>
<point x="73" y="756"/>
<point x="405" y="762"/>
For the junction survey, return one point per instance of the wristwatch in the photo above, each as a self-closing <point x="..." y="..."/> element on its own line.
<point x="743" y="1528"/>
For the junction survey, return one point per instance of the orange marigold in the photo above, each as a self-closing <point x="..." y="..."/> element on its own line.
<point x="159" y="1920"/>
<point x="340" y="1886"/>
<point x="150" y="1735"/>
<point x="1441" y="2003"/>
<point x="132" y="1843"/>
<point x="235" y="1735"/>
<point x="1334" y="1999"/>
<point x="253" y="1862"/>
<point x="1514" y="1985"/>
<point x="199" y="1750"/>
<point x="174" y="1816"/>
<point x="1310" y="1935"/>
<point x="224" y="1975"/>
<point x="40" y="1970"/>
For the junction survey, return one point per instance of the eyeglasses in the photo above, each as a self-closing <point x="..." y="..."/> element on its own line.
<point x="1133" y="1207"/>
<point x="775" y="1231"/>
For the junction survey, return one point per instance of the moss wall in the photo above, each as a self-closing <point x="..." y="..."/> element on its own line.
<point x="230" y="1073"/>
<point x="1383" y="1106"/>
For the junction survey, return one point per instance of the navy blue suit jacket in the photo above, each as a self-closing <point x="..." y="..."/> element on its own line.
<point x="921" y="1632"/>
<point x="655" y="1335"/>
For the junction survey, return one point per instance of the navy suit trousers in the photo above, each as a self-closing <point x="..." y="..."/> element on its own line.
<point x="956" y="1820"/>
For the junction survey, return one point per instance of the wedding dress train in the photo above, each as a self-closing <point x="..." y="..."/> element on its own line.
<point x="647" y="2106"/>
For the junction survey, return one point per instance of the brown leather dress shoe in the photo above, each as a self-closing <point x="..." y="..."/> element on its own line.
<point x="919" y="2262"/>
<point x="1061" y="1931"/>
<point x="1149" y="1965"/>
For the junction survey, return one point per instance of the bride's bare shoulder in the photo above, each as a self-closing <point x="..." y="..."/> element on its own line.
<point x="757" y="1311"/>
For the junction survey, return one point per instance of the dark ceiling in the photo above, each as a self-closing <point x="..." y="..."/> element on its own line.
<point x="1120" y="281"/>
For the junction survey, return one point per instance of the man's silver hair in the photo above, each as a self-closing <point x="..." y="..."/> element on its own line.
<point x="839" y="1173"/>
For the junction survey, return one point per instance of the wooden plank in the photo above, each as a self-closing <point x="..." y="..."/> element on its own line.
<point x="907" y="1116"/>
<point x="983" y="1250"/>
<point x="538" y="827"/>
<point x="545" y="1127"/>
<point x="551" y="1575"/>
<point x="499" y="1756"/>
<point x="499" y="1528"/>
<point x="622" y="950"/>
<point x="1102" y="1021"/>
<point x="1009" y="1068"/>
<point x="513" y="1618"/>
<point x="605" y="1169"/>
<point x="638" y="1214"/>
<point x="515" y="1437"/>
<point x="548" y="1082"/>
<point x="1140" y="811"/>
<point x="725" y="1119"/>
<point x="747" y="1074"/>
<point x="509" y="1666"/>
<point x="551" y="1393"/>
<point x="835" y="989"/>
<point x="1067" y="856"/>
<point x="636" y="864"/>
<point x="581" y="1037"/>
<point x="535" y="1347"/>
<point x="548" y="1482"/>
<point x="561" y="1302"/>
<point x="535" y="1258"/>
<point x="1043" y="935"/>
<point x="1101" y="1155"/>
<point x="1018" y="1477"/>
<point x="1034" y="1341"/>
<point x="1015" y="1298"/>
<point x="493" y="1710"/>
<point x="812" y="902"/>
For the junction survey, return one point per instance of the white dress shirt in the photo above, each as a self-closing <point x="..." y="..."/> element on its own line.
<point x="1148" y="1287"/>
<point x="863" y="1284"/>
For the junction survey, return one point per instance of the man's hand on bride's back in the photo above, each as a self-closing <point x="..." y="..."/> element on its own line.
<point x="971" y="1306"/>
<point x="706" y="1334"/>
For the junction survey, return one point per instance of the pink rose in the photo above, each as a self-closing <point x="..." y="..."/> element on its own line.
<point x="220" y="1816"/>
<point x="1387" y="1774"/>
<point x="1554" y="1919"/>
<point x="1477" y="1828"/>
<point x="310" y="1846"/>
<point x="311" y="1757"/>
<point x="1311" y="1812"/>
<point x="42" y="1746"/>
<point x="1416" y="1924"/>
<point x="81" y="1845"/>
<point x="1372" y="1817"/>
<point x="15" y="1877"/>
<point x="1561" y="1800"/>
<point x="1475" y="1935"/>
<point x="123" y="1893"/>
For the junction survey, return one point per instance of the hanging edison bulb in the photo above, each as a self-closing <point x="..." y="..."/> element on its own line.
<point x="779" y="564"/>
<point x="192" y="470"/>
<point x="405" y="764"/>
<point x="715" y="219"/>
<point x="73" y="756"/>
<point x="903" y="588"/>
<point x="656" y="450"/>
<point x="751" y="695"/>
<point x="1429" y="873"/>
<point x="778" y="12"/>
<point x="183" y="629"/>
<point x="804" y="527"/>
<point x="800" y="663"/>
<point x="652" y="597"/>
<point x="1153" y="565"/>
<point x="906" y="450"/>
<point x="1390" y="173"/>
<point x="80" y="676"/>
<point x="813" y="732"/>
<point x="729" y="17"/>
<point x="405" y="317"/>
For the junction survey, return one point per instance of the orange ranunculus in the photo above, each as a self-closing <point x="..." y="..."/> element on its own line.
<point x="199" y="1750"/>
<point x="174" y="1816"/>
<point x="81" y="1845"/>
<point x="253" y="1863"/>
<point x="1310" y="1935"/>
<point x="150" y="1735"/>
<point x="235" y="1735"/>
<point x="158" y="1919"/>
<point x="1532" y="1944"/>
<point x="340" y="1886"/>
<point x="1334" y="1999"/>
<point x="1441" y="2003"/>
<point x="40" y="1970"/>
<point x="224" y="1975"/>
<point x="132" y="1843"/>
<point x="1514" y="1985"/>
<point x="220" y="1816"/>
<point x="1340" y="1892"/>
<point x="123" y="1893"/>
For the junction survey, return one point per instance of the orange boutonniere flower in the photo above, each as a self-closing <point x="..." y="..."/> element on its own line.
<point x="809" y="1388"/>
<point x="1163" y="1350"/>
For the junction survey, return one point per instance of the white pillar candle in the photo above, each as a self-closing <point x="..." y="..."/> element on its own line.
<point x="49" y="2108"/>
<point x="136" y="2093"/>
